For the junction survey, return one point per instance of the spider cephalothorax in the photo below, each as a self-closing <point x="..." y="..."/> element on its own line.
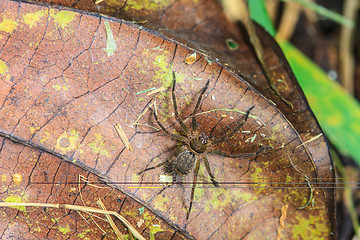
<point x="194" y="145"/>
<point x="199" y="143"/>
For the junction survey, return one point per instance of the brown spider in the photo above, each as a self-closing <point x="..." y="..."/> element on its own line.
<point x="194" y="145"/>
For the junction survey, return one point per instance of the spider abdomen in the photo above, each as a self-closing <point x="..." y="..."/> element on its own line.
<point x="184" y="162"/>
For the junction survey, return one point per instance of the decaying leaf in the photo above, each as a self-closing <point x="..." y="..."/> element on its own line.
<point x="61" y="95"/>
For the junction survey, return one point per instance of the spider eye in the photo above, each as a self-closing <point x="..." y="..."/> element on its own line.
<point x="203" y="138"/>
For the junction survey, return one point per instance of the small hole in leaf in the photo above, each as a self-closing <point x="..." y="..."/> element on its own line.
<point x="232" y="45"/>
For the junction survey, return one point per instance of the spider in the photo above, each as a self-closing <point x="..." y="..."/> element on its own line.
<point x="194" y="145"/>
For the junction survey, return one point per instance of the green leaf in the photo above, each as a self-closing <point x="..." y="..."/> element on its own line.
<point x="259" y="14"/>
<point x="337" y="112"/>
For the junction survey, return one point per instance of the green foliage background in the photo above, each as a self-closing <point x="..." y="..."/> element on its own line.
<point x="337" y="112"/>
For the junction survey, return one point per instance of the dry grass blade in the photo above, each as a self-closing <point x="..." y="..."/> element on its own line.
<point x="123" y="137"/>
<point x="111" y="222"/>
<point x="83" y="178"/>
<point x="76" y="208"/>
<point x="161" y="89"/>
<point x="310" y="140"/>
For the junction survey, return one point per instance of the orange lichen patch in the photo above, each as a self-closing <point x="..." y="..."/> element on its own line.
<point x="191" y="58"/>
<point x="17" y="178"/>
<point x="282" y="221"/>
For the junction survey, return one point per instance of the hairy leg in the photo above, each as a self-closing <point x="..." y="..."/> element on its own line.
<point x="151" y="168"/>
<point x="208" y="169"/>
<point x="241" y="155"/>
<point x="230" y="133"/>
<point x="182" y="124"/>
<point x="194" y="123"/>
<point x="173" y="136"/>
<point x="196" y="171"/>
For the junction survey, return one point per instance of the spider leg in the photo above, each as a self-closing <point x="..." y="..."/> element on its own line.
<point x="151" y="168"/>
<point x="194" y="123"/>
<point x="208" y="169"/>
<point x="173" y="136"/>
<point x="182" y="124"/>
<point x="196" y="171"/>
<point x="241" y="155"/>
<point x="230" y="133"/>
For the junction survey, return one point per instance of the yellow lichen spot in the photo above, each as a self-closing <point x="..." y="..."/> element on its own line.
<point x="135" y="178"/>
<point x="63" y="18"/>
<point x="147" y="217"/>
<point x="67" y="142"/>
<point x="32" y="18"/>
<point x="277" y="128"/>
<point x="3" y="177"/>
<point x="160" y="201"/>
<point x="257" y="176"/>
<point x="64" y="230"/>
<point x="221" y="198"/>
<point x="161" y="62"/>
<point x="58" y="87"/>
<point x="33" y="129"/>
<point x="98" y="146"/>
<point x="149" y="5"/>
<point x="164" y="73"/>
<point x="16" y="199"/>
<point x="200" y="190"/>
<point x="153" y="230"/>
<point x="3" y="67"/>
<point x="45" y="137"/>
<point x="309" y="226"/>
<point x="84" y="232"/>
<point x="8" y="25"/>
